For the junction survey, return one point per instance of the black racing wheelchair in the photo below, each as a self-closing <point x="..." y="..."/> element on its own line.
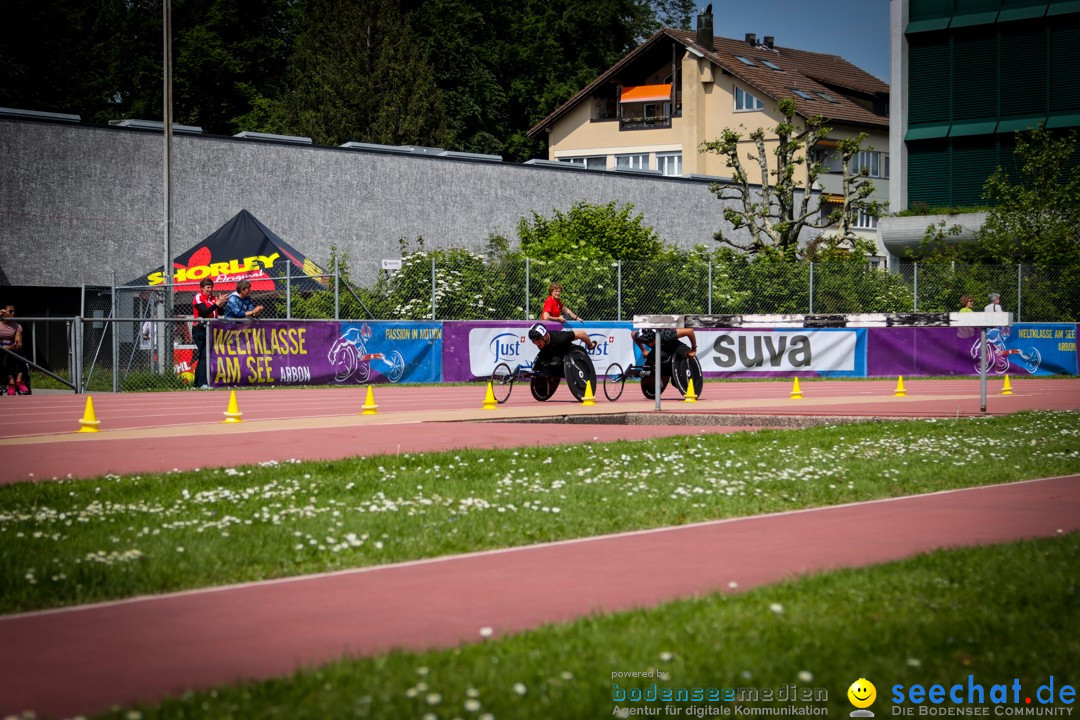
<point x="678" y="370"/>
<point x="575" y="366"/>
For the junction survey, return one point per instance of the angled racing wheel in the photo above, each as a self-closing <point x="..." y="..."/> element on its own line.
<point x="579" y="371"/>
<point x="683" y="370"/>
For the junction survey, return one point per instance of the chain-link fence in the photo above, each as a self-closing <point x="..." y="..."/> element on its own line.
<point x="461" y="285"/>
<point x="151" y="346"/>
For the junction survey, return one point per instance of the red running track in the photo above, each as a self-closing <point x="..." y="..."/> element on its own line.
<point x="323" y="424"/>
<point x="85" y="659"/>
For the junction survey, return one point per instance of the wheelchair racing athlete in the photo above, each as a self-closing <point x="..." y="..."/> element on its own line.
<point x="553" y="346"/>
<point x="669" y="344"/>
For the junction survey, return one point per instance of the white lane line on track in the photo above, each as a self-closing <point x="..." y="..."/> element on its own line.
<point x="518" y="549"/>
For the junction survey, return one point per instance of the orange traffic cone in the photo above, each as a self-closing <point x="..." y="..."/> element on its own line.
<point x="490" y="403"/>
<point x="89" y="421"/>
<point x="232" y="413"/>
<point x="691" y="396"/>
<point x="588" y="399"/>
<point x="370" y="408"/>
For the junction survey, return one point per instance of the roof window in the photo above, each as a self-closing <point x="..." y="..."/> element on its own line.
<point x="745" y="61"/>
<point x="769" y="64"/>
<point x="802" y="93"/>
<point x="826" y="96"/>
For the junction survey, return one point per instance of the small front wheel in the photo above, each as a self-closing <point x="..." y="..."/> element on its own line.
<point x="502" y="382"/>
<point x="614" y="380"/>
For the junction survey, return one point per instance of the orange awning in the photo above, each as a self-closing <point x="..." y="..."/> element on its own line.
<point x="646" y="93"/>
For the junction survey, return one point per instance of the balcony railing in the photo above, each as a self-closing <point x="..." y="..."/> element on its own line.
<point x="644" y="123"/>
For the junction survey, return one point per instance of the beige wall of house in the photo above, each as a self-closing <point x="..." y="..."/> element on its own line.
<point x="708" y="107"/>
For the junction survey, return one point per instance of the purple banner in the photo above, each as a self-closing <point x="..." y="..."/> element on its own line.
<point x="1024" y="348"/>
<point x="324" y="352"/>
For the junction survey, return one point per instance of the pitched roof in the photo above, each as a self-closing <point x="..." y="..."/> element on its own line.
<point x="799" y="69"/>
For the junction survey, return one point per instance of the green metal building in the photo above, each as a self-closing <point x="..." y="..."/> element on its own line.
<point x="966" y="74"/>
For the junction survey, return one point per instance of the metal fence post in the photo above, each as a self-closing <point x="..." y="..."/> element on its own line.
<point x="1019" y="289"/>
<point x="337" y="290"/>
<point x="79" y="356"/>
<point x="811" y="288"/>
<point x="710" y="287"/>
<point x="527" y="314"/>
<point x="288" y="290"/>
<point x="115" y="339"/>
<point x="618" y="293"/>
<point x="433" y="286"/>
<point x="916" y="289"/>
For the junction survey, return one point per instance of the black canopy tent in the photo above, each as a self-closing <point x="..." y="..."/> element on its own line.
<point x="241" y="249"/>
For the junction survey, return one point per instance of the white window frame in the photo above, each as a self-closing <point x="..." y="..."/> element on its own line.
<point x="747" y="102"/>
<point x="669" y="163"/>
<point x="876" y="163"/>
<point x="828" y="157"/>
<point x="637" y="161"/>
<point x="863" y="220"/>
<point x="589" y="162"/>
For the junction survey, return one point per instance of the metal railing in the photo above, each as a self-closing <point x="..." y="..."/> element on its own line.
<point x="126" y="341"/>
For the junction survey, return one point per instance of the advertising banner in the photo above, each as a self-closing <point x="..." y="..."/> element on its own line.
<point x="324" y="353"/>
<point x="473" y="349"/>
<point x="839" y="352"/>
<point x="1023" y="349"/>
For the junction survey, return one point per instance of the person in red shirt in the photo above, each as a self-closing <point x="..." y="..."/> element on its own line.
<point x="554" y="308"/>
<point x="204" y="306"/>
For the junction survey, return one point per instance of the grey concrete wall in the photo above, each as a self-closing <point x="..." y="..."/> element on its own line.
<point x="78" y="202"/>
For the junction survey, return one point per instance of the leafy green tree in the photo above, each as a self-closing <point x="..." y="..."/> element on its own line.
<point x="357" y="73"/>
<point x="229" y="58"/>
<point x="102" y="59"/>
<point x="586" y="230"/>
<point x="775" y="216"/>
<point x="1035" y="216"/>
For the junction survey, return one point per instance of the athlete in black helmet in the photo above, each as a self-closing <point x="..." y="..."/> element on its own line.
<point x="554" y="345"/>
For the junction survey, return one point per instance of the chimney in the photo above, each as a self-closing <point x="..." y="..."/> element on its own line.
<point x="704" y="28"/>
<point x="769" y="41"/>
<point x="751" y="39"/>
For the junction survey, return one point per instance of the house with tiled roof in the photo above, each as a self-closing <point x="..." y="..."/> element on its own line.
<point x="651" y="111"/>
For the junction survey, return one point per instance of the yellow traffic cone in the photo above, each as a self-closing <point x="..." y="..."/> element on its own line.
<point x="588" y="399"/>
<point x="89" y="422"/>
<point x="796" y="393"/>
<point x="232" y="413"/>
<point x="490" y="403"/>
<point x="900" y="392"/>
<point x="691" y="396"/>
<point x="370" y="408"/>
<point x="1006" y="389"/>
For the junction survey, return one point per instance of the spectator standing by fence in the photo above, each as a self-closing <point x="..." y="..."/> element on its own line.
<point x="14" y="373"/>
<point x="205" y="306"/>
<point x="995" y="303"/>
<point x="240" y="306"/>
<point x="554" y="308"/>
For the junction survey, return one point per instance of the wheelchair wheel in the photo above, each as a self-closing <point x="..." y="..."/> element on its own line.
<point x="579" y="371"/>
<point x="648" y="383"/>
<point x="397" y="367"/>
<point x="543" y="387"/>
<point x="502" y="382"/>
<point x="684" y="369"/>
<point x="614" y="380"/>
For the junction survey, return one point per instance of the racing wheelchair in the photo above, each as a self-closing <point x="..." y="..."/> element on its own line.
<point x="678" y="369"/>
<point x="576" y="367"/>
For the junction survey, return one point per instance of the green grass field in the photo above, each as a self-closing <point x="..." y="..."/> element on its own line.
<point x="998" y="613"/>
<point x="71" y="542"/>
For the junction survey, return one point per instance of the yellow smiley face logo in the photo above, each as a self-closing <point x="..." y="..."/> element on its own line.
<point x="862" y="693"/>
